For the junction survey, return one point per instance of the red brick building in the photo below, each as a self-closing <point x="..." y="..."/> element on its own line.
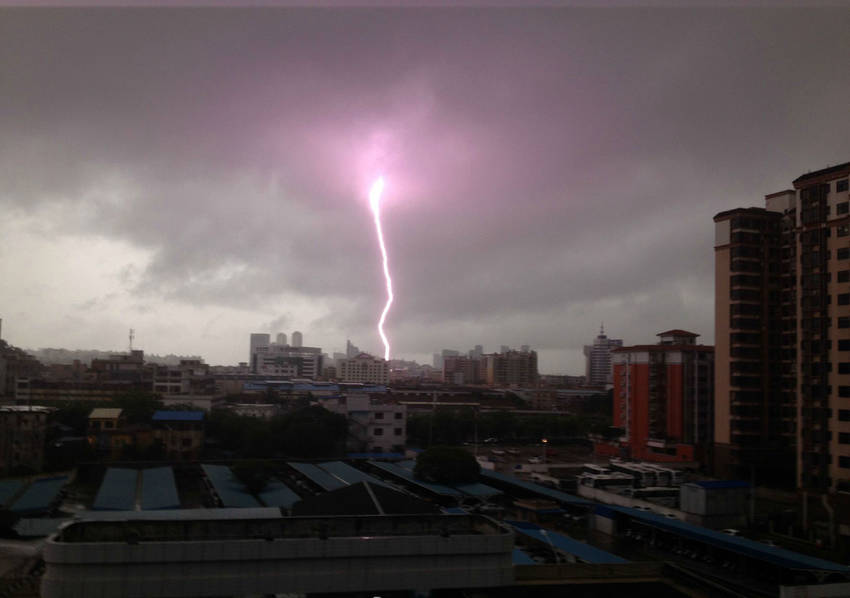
<point x="663" y="397"/>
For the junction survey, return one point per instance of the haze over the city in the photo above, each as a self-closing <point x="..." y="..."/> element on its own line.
<point x="201" y="174"/>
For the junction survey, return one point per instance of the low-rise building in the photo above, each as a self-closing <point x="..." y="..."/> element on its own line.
<point x="373" y="425"/>
<point x="180" y="432"/>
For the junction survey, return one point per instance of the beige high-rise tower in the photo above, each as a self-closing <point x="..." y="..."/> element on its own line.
<point x="782" y="335"/>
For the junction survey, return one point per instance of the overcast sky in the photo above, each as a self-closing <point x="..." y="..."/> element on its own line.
<point x="201" y="174"/>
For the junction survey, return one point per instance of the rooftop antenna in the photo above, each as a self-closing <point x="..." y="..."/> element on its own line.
<point x="132" y="336"/>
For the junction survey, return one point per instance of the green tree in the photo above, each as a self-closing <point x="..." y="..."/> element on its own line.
<point x="310" y="432"/>
<point x="137" y="407"/>
<point x="447" y="465"/>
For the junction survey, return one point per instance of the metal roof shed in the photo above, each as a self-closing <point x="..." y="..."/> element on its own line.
<point x="159" y="491"/>
<point x="39" y="497"/>
<point x="117" y="490"/>
<point x="231" y="492"/>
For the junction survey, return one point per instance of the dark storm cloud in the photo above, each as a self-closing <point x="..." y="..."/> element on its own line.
<point x="547" y="168"/>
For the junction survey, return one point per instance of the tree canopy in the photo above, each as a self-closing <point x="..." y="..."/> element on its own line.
<point x="447" y="465"/>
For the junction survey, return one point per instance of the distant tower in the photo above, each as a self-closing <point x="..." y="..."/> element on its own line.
<point x="132" y="336"/>
<point x="281" y="338"/>
<point x="297" y="339"/>
<point x="598" y="355"/>
<point x="258" y="339"/>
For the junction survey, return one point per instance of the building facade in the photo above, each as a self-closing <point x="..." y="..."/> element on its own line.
<point x="598" y="359"/>
<point x="513" y="368"/>
<point x="22" y="435"/>
<point x="373" y="425"/>
<point x="363" y="368"/>
<point x="663" y="399"/>
<point x="459" y="369"/>
<point x="782" y="326"/>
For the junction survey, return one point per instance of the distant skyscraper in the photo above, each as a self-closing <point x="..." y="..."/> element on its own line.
<point x="297" y="339"/>
<point x="281" y="338"/>
<point x="257" y="339"/>
<point x="504" y="349"/>
<point x="524" y="349"/>
<point x="598" y="355"/>
<point x="351" y="350"/>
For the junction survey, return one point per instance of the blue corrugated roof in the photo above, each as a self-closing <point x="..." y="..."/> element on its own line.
<point x="278" y="494"/>
<point x="349" y="474"/>
<point x="158" y="489"/>
<point x="474" y="489"/>
<point x="229" y="489"/>
<point x="772" y="554"/>
<point x="582" y="551"/>
<point x="536" y="488"/>
<point x="318" y="476"/>
<point x="521" y="558"/>
<point x="117" y="490"/>
<point x="454" y="511"/>
<point x="178" y="416"/>
<point x="39" y="496"/>
<point x="8" y="489"/>
<point x="374" y="455"/>
<point x="407" y="475"/>
<point x="722" y="484"/>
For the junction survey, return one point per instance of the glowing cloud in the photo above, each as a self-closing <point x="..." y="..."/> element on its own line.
<point x="375" y="203"/>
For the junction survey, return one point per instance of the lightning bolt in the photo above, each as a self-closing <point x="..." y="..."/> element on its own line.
<point x="375" y="203"/>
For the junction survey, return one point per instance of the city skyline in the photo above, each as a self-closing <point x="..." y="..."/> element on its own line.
<point x="199" y="175"/>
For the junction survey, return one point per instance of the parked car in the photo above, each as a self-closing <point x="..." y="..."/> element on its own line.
<point x="731" y="532"/>
<point x="491" y="440"/>
<point x="512" y="451"/>
<point x="535" y="460"/>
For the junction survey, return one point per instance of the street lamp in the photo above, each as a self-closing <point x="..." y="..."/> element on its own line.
<point x="544" y="441"/>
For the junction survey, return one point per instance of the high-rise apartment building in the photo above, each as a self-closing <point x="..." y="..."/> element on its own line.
<point x="460" y="369"/>
<point x="598" y="359"/>
<point x="663" y="399"/>
<point x="510" y="369"/>
<point x="782" y="334"/>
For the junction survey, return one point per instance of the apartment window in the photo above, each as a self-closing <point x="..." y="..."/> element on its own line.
<point x="843" y="322"/>
<point x="844" y="345"/>
<point x="397" y="431"/>
<point x="844" y="276"/>
<point x="843" y="207"/>
<point x="844" y="299"/>
<point x="844" y="415"/>
<point x="841" y="185"/>
<point x="844" y="462"/>
<point x="844" y="391"/>
<point x="843" y="253"/>
<point x="378" y="432"/>
<point x="844" y="438"/>
<point x="843" y="230"/>
<point x="398" y="416"/>
<point x="844" y="367"/>
<point x="379" y="415"/>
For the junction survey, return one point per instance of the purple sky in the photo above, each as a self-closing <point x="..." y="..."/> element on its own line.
<point x="201" y="174"/>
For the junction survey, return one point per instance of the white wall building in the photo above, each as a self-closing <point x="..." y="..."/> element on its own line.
<point x="372" y="425"/>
